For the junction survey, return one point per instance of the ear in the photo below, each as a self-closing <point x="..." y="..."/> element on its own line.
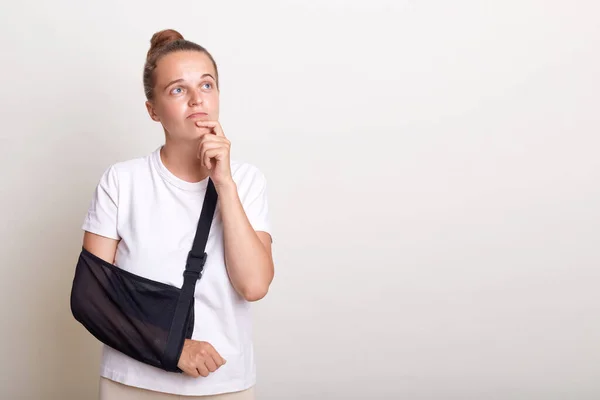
<point x="152" y="111"/>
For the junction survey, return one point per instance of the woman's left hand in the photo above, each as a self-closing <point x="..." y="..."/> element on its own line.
<point x="213" y="152"/>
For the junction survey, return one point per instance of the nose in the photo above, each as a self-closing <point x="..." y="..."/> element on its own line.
<point x="195" y="99"/>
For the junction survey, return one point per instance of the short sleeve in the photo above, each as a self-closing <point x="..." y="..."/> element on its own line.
<point x="101" y="217"/>
<point x="256" y="204"/>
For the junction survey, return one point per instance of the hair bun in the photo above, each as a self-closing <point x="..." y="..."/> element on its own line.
<point x="162" y="38"/>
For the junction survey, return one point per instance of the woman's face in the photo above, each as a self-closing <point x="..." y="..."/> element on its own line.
<point x="185" y="91"/>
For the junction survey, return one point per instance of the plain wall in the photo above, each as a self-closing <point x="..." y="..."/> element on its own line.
<point x="433" y="172"/>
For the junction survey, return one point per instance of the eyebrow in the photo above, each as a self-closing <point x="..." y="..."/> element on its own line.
<point x="181" y="80"/>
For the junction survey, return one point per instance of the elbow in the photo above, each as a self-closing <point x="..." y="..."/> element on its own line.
<point x="256" y="292"/>
<point x="256" y="286"/>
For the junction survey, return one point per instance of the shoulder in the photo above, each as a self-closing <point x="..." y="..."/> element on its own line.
<point x="116" y="180"/>
<point x="246" y="173"/>
<point x="248" y="177"/>
<point x="124" y="170"/>
<point x="131" y="166"/>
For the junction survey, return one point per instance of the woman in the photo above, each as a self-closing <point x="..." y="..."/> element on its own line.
<point x="143" y="218"/>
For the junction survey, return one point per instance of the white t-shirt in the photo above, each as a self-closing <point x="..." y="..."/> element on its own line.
<point x="154" y="214"/>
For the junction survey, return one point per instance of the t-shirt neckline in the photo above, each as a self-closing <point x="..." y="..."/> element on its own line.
<point x="169" y="177"/>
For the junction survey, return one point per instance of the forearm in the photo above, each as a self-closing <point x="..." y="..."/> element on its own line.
<point x="248" y="260"/>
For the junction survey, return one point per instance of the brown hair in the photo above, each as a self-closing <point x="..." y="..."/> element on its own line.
<point x="165" y="42"/>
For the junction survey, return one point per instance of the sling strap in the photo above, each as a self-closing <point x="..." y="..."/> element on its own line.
<point x="193" y="272"/>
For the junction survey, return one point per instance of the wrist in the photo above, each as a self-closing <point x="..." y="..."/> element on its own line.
<point x="226" y="187"/>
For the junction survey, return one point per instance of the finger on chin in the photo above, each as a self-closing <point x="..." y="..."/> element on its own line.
<point x="203" y="131"/>
<point x="205" y="126"/>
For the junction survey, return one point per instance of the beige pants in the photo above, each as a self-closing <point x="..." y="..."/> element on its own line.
<point x="111" y="390"/>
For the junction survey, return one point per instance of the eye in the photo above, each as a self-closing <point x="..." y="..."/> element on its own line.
<point x="177" y="90"/>
<point x="207" y="86"/>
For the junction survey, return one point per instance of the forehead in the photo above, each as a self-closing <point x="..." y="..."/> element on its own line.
<point x="183" y="64"/>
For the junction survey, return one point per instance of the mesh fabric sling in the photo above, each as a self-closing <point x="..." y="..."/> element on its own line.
<point x="144" y="319"/>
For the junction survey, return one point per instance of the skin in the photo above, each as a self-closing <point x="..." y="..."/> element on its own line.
<point x="186" y="103"/>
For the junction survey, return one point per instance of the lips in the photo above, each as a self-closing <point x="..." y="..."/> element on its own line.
<point x="197" y="115"/>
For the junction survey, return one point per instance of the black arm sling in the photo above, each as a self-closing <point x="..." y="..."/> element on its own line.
<point x="144" y="319"/>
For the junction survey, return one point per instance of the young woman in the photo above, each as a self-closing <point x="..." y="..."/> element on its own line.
<point x="143" y="218"/>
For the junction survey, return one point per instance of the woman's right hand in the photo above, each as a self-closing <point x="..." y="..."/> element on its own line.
<point x="199" y="358"/>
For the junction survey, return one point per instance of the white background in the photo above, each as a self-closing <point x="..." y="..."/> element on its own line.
<point x="433" y="172"/>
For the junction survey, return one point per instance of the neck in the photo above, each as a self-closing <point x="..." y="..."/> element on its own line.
<point x="180" y="158"/>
